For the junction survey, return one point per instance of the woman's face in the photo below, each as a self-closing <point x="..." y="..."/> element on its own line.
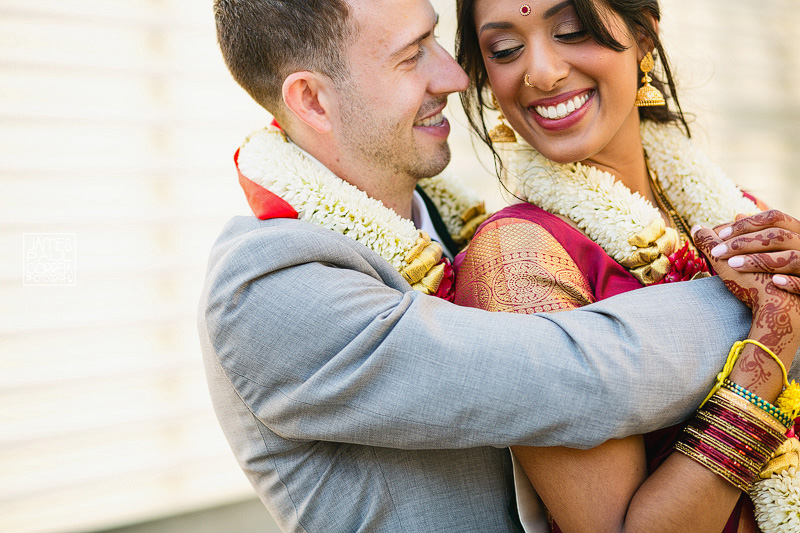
<point x="580" y="105"/>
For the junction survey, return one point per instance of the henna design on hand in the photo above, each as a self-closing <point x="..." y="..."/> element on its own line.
<point x="776" y="312"/>
<point x="773" y="326"/>
<point x="705" y="241"/>
<point x="761" y="220"/>
<point x="749" y="297"/>
<point x="792" y="285"/>
<point x="774" y="263"/>
<point x="765" y="238"/>
<point x="775" y="316"/>
<point x="755" y="367"/>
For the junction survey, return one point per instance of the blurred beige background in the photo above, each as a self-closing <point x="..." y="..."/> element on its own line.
<point x="118" y="122"/>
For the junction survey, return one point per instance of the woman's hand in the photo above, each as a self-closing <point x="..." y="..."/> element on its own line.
<point x="767" y="242"/>
<point x="776" y="313"/>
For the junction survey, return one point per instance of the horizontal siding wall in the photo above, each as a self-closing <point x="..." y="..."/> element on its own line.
<point x="738" y="70"/>
<point x="118" y="123"/>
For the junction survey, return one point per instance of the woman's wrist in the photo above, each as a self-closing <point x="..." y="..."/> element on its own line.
<point x="758" y="373"/>
<point x="756" y="370"/>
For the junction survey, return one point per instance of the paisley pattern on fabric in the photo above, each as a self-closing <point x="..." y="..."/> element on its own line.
<point x="514" y="265"/>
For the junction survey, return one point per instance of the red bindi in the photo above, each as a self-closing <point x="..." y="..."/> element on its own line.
<point x="525" y="10"/>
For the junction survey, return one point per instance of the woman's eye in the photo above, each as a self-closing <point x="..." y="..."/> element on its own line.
<point x="506" y="53"/>
<point x="573" y="36"/>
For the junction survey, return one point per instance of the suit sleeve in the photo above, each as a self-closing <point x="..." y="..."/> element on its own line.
<point x="334" y="348"/>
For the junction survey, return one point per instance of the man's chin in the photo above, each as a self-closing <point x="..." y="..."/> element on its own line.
<point x="435" y="163"/>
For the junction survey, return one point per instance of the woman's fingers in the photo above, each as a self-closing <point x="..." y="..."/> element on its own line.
<point x="787" y="283"/>
<point x="784" y="262"/>
<point x="706" y="240"/>
<point x="766" y="219"/>
<point x="765" y="240"/>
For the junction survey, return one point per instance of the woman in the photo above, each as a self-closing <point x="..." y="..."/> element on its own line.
<point x="616" y="187"/>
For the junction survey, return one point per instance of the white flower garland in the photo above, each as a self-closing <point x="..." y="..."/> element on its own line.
<point x="321" y="197"/>
<point x="777" y="502"/>
<point x="608" y="212"/>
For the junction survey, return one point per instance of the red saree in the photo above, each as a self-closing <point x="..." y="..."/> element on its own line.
<point x="526" y="260"/>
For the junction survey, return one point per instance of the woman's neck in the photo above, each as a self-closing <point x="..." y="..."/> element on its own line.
<point x="624" y="159"/>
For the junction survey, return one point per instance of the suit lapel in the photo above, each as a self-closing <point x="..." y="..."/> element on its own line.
<point x="439" y="224"/>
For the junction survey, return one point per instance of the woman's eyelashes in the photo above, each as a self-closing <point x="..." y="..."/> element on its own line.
<point x="578" y="35"/>
<point x="573" y="37"/>
<point x="506" y="53"/>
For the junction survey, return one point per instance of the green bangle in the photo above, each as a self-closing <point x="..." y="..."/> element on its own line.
<point x="759" y="402"/>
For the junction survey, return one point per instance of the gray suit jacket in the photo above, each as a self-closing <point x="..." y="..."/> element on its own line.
<point x="354" y="403"/>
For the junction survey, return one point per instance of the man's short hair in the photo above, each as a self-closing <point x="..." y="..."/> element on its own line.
<point x="264" y="41"/>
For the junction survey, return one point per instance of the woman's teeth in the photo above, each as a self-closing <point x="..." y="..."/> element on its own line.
<point x="435" y="120"/>
<point x="563" y="109"/>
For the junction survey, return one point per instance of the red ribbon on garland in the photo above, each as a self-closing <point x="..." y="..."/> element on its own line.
<point x="265" y="204"/>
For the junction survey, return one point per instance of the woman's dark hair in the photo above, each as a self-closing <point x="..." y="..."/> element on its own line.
<point x="638" y="16"/>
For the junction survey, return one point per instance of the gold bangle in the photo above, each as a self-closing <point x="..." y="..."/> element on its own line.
<point x="727" y="398"/>
<point x="725" y="426"/>
<point x="714" y="467"/>
<point x="728" y="451"/>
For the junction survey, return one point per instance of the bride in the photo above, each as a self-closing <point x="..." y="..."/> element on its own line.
<point x="611" y="186"/>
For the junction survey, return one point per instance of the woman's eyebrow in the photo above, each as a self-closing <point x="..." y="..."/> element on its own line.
<point x="495" y="26"/>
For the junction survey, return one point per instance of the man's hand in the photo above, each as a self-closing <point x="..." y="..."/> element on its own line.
<point x="767" y="242"/>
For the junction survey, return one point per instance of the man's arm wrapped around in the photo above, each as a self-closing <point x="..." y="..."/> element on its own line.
<point x="323" y="340"/>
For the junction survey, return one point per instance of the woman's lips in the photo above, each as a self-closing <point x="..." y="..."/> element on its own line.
<point x="564" y="114"/>
<point x="564" y="108"/>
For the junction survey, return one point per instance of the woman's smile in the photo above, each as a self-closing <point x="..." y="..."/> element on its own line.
<point x="561" y="106"/>
<point x="563" y="111"/>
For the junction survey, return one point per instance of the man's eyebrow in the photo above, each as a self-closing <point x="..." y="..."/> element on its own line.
<point x="507" y="25"/>
<point x="416" y="41"/>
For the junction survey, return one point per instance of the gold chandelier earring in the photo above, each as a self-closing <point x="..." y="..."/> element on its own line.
<point x="647" y="94"/>
<point x="502" y="133"/>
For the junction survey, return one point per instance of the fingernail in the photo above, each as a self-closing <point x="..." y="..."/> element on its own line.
<point x="719" y="250"/>
<point x="724" y="234"/>
<point x="734" y="262"/>
<point x="695" y="229"/>
<point x="779" y="280"/>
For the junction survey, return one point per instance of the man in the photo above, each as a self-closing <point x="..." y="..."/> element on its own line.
<point x="354" y="403"/>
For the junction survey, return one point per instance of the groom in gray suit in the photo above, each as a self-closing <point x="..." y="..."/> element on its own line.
<point x="351" y="401"/>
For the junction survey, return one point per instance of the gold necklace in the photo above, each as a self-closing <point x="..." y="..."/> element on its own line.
<point x="676" y="220"/>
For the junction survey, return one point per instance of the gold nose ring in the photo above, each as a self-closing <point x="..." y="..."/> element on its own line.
<point x="528" y="80"/>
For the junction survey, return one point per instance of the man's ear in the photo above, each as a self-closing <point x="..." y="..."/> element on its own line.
<point x="310" y="96"/>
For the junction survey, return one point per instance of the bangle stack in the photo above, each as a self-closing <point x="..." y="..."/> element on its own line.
<point x="735" y="432"/>
<point x="733" y="438"/>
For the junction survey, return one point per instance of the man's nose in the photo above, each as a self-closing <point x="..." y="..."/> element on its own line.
<point x="447" y="76"/>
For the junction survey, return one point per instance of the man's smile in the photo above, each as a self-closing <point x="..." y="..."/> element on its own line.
<point x="435" y="120"/>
